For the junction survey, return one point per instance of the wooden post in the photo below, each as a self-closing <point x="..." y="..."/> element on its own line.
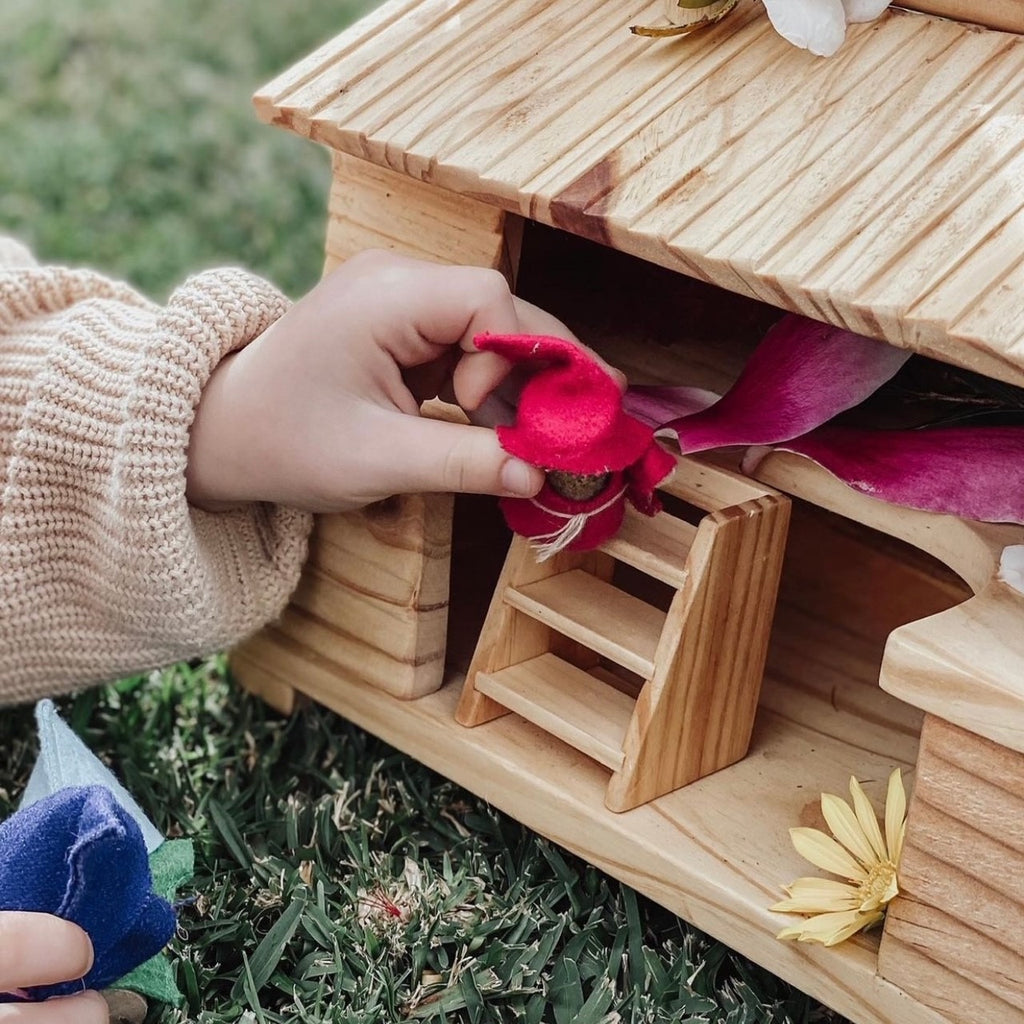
<point x="696" y="713"/>
<point x="954" y="937"/>
<point x="373" y="600"/>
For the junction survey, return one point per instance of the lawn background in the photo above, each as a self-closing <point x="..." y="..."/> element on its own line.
<point x="336" y="880"/>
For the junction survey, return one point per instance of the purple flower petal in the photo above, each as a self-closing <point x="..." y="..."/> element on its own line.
<point x="656" y="404"/>
<point x="801" y="375"/>
<point x="973" y="472"/>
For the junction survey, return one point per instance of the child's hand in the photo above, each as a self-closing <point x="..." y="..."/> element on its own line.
<point x="321" y="411"/>
<point x="37" y="949"/>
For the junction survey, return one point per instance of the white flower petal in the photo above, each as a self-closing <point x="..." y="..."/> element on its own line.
<point x="1011" y="566"/>
<point x="895" y="816"/>
<point x="815" y="25"/>
<point x="868" y="819"/>
<point x="64" y="760"/>
<point x="864" y="10"/>
<point x="846" y="828"/>
<point x="825" y="853"/>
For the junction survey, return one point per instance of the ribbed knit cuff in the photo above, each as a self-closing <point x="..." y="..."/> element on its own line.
<point x="105" y="570"/>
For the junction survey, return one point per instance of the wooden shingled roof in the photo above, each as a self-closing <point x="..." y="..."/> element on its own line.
<point x="881" y="189"/>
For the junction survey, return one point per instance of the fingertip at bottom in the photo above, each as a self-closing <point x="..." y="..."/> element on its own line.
<point x="82" y="1008"/>
<point x="520" y="479"/>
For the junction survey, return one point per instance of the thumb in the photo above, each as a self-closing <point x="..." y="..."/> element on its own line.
<point x="435" y="455"/>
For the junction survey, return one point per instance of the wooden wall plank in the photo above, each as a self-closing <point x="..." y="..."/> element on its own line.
<point x="955" y="934"/>
<point x="949" y="993"/>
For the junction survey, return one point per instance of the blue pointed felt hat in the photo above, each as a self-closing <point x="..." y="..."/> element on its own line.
<point x="80" y="855"/>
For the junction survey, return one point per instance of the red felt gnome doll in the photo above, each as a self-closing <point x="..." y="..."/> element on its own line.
<point x="570" y="423"/>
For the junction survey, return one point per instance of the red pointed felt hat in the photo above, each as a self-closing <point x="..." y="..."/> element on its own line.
<point x="570" y="413"/>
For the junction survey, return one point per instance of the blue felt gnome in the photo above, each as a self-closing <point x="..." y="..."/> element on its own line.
<point x="81" y="848"/>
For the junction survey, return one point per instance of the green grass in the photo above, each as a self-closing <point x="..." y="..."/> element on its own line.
<point x="129" y="141"/>
<point x="337" y="881"/>
<point x="340" y="881"/>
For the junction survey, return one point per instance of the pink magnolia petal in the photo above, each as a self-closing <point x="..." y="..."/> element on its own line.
<point x="802" y="374"/>
<point x="655" y="404"/>
<point x="972" y="472"/>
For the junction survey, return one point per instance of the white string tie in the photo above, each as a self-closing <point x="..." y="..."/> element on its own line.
<point x="547" y="544"/>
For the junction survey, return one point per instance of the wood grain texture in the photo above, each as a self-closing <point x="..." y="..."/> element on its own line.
<point x="696" y="712"/>
<point x="565" y="702"/>
<point x="971" y="549"/>
<point x="878" y="189"/>
<point x="956" y="997"/>
<point x="954" y="937"/>
<point x="278" y="692"/>
<point x="373" y="596"/>
<point x="701" y="663"/>
<point x="1004" y="15"/>
<point x="614" y="623"/>
<point x="372" y="207"/>
<point x="509" y="636"/>
<point x="657" y="547"/>
<point x="964" y="664"/>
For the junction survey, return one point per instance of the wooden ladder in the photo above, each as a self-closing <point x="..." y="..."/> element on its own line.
<point x="554" y="628"/>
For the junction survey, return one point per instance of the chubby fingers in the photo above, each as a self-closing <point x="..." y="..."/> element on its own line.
<point x="417" y="310"/>
<point x="534" y="320"/>
<point x="480" y="375"/>
<point x="87" y="1008"/>
<point x="40" y="949"/>
<point x="430" y="455"/>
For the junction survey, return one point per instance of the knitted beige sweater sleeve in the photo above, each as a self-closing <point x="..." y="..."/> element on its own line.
<point x="105" y="570"/>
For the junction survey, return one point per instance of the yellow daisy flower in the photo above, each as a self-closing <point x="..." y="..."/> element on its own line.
<point x="858" y="853"/>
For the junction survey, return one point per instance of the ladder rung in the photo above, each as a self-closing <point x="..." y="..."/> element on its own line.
<point x="600" y="616"/>
<point x="656" y="545"/>
<point x="565" y="701"/>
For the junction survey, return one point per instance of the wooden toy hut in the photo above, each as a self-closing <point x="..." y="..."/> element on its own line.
<point x="670" y="705"/>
